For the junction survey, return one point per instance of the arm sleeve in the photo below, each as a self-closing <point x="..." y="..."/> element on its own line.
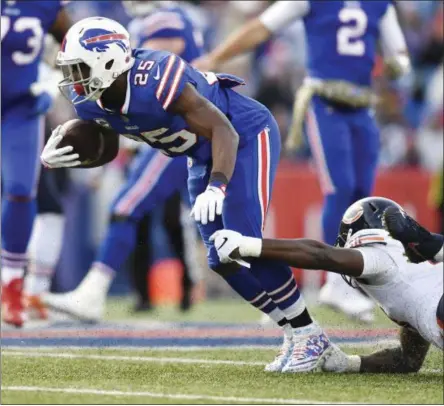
<point x="283" y="13"/>
<point x="172" y="80"/>
<point x="392" y="39"/>
<point x="162" y="25"/>
<point x="377" y="262"/>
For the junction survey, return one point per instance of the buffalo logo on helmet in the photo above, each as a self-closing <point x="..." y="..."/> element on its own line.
<point x="99" y="40"/>
<point x="353" y="213"/>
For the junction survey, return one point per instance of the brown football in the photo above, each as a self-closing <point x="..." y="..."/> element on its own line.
<point x="95" y="144"/>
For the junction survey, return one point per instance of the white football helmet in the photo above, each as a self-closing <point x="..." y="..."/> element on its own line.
<point x="140" y="8"/>
<point x="94" y="53"/>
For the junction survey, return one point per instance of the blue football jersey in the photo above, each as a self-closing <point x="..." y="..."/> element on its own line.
<point x="168" y="23"/>
<point x="155" y="81"/>
<point x="23" y="28"/>
<point x="342" y="39"/>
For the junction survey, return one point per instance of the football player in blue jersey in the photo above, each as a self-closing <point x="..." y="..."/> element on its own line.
<point x="153" y="177"/>
<point x="233" y="145"/>
<point x="24" y="25"/>
<point x="335" y="100"/>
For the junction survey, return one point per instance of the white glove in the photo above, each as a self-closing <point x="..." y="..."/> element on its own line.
<point x="48" y="80"/>
<point x="53" y="157"/>
<point x="208" y="204"/>
<point x="338" y="361"/>
<point x="225" y="242"/>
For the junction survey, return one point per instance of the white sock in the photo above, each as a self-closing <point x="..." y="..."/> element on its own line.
<point x="46" y="240"/>
<point x="276" y="315"/>
<point x="9" y="273"/>
<point x="44" y="249"/>
<point x="37" y="284"/>
<point x="439" y="255"/>
<point x="295" y="309"/>
<point x="98" y="280"/>
<point x="288" y="331"/>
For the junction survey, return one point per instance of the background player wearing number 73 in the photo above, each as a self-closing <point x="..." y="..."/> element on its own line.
<point x="24" y="25"/>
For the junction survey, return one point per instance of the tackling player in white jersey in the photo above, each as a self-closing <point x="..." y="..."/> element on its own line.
<point x="410" y="294"/>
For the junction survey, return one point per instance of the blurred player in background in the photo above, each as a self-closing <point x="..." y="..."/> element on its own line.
<point x="335" y="100"/>
<point x="46" y="240"/>
<point x="233" y="145"/>
<point x="23" y="28"/>
<point x="154" y="179"/>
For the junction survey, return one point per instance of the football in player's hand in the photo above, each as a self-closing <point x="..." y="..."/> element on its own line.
<point x="95" y="144"/>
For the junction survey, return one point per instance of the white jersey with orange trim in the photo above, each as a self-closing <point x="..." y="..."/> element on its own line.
<point x="408" y="293"/>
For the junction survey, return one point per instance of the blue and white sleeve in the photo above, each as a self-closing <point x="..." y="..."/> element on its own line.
<point x="172" y="80"/>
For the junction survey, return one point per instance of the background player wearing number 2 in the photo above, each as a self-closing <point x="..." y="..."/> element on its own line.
<point x="334" y="100"/>
<point x="153" y="179"/>
<point x="23" y="27"/>
<point x="233" y="144"/>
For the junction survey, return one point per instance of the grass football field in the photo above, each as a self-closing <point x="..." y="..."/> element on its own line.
<point x="184" y="374"/>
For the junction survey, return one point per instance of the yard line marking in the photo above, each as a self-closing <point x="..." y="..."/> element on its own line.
<point x="130" y="358"/>
<point x="147" y="359"/>
<point x="86" y="391"/>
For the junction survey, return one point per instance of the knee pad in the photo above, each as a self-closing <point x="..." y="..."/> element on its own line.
<point x="226" y="270"/>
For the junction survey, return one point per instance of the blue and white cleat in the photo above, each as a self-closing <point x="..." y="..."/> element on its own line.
<point x="283" y="356"/>
<point x="310" y="347"/>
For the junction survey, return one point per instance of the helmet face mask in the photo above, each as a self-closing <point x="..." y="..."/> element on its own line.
<point x="94" y="53"/>
<point x="363" y="214"/>
<point x="77" y="78"/>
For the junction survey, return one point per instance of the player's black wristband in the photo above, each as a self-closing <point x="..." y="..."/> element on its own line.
<point x="218" y="177"/>
<point x="219" y="180"/>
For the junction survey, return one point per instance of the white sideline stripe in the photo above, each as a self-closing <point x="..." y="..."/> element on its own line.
<point x="86" y="391"/>
<point x="149" y="359"/>
<point x="129" y="358"/>
<point x="182" y="348"/>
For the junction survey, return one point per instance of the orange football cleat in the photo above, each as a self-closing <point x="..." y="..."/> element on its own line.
<point x="12" y="305"/>
<point x="35" y="307"/>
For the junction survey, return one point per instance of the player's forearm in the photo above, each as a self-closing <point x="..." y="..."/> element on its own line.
<point x="241" y="41"/>
<point x="224" y="144"/>
<point x="396" y="57"/>
<point x="61" y="26"/>
<point x="306" y="253"/>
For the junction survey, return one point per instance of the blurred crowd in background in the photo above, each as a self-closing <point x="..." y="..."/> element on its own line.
<point x="410" y="112"/>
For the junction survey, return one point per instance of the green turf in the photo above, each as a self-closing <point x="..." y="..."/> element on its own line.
<point x="226" y="311"/>
<point x="207" y="379"/>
